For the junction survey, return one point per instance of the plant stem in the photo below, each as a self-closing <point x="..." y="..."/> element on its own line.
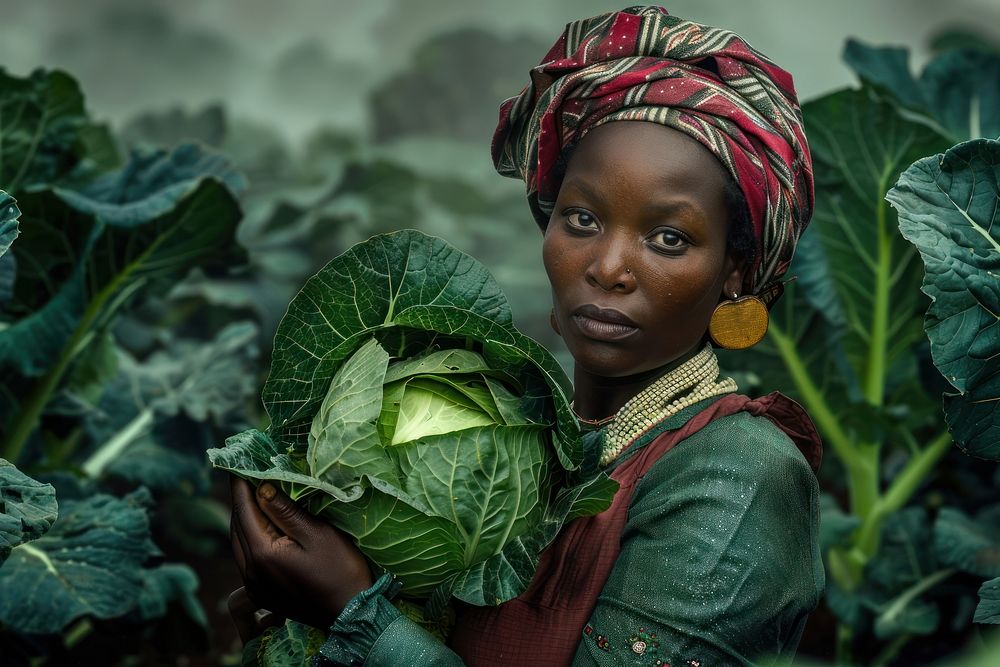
<point x="896" y="607"/>
<point x="899" y="493"/>
<point x="811" y="395"/>
<point x="845" y="636"/>
<point x="31" y="409"/>
<point x="874" y="387"/>
<point x="891" y="650"/>
<point x="109" y="451"/>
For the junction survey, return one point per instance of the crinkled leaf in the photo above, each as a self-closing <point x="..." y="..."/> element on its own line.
<point x="40" y="118"/>
<point x="89" y="563"/>
<point x="155" y="220"/>
<point x="9" y="213"/>
<point x="254" y="456"/>
<point x="988" y="610"/>
<point x="966" y="544"/>
<point x="948" y="206"/>
<point x="166" y="584"/>
<point x="344" y="442"/>
<point x="150" y="185"/>
<point x="27" y="508"/>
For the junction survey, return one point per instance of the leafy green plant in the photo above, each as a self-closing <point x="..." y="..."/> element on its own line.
<point x="848" y="340"/>
<point x="82" y="418"/>
<point x="402" y="397"/>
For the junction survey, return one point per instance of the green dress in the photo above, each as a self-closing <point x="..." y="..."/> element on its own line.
<point x="719" y="563"/>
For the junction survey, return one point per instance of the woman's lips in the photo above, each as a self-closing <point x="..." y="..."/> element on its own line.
<point x="603" y="323"/>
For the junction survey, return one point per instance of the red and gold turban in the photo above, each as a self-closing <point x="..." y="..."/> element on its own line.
<point x="642" y="64"/>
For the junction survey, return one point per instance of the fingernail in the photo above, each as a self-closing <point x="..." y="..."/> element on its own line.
<point x="266" y="491"/>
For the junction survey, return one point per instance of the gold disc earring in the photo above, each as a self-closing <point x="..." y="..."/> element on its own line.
<point x="738" y="323"/>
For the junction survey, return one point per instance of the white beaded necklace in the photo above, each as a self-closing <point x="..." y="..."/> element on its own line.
<point x="693" y="381"/>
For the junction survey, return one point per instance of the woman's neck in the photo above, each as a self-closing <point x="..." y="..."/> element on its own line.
<point x="596" y="397"/>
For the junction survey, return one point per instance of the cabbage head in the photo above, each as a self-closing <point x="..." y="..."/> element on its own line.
<point x="408" y="411"/>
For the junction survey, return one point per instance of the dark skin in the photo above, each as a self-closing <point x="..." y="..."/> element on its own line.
<point x="639" y="227"/>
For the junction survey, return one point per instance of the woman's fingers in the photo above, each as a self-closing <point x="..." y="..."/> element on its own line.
<point x="289" y="518"/>
<point x="254" y="529"/>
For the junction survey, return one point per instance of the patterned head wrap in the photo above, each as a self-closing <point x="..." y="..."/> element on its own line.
<point x="642" y="64"/>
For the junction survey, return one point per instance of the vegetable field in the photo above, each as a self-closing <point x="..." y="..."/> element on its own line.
<point x="145" y="267"/>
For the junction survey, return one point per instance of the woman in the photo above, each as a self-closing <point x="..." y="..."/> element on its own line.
<point x="666" y="164"/>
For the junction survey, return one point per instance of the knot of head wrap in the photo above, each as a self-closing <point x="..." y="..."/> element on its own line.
<point x="643" y="64"/>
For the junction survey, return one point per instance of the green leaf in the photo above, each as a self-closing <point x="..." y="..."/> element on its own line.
<point x="835" y="526"/>
<point x="255" y="456"/>
<point x="88" y="564"/>
<point x="84" y="253"/>
<point x="860" y="144"/>
<point x="888" y="68"/>
<point x="9" y="214"/>
<point x="40" y="118"/>
<point x="27" y="508"/>
<point x="968" y="545"/>
<point x="166" y="584"/>
<point x="344" y="442"/>
<point x="948" y="206"/>
<point x="959" y="90"/>
<point x="151" y="184"/>
<point x="288" y="645"/>
<point x="988" y="610"/>
<point x="964" y="86"/>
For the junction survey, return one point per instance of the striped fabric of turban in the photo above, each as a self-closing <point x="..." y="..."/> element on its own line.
<point x="642" y="64"/>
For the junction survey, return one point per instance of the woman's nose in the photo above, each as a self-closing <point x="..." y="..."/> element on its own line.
<point x="610" y="270"/>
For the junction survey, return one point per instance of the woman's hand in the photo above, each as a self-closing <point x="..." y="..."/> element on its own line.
<point x="292" y="563"/>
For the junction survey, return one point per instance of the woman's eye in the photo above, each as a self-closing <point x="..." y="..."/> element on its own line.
<point x="669" y="239"/>
<point x="581" y="220"/>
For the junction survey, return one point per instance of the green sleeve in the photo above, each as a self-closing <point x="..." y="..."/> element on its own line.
<point x="371" y="631"/>
<point x="719" y="560"/>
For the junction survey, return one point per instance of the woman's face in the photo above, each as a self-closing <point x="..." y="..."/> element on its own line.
<point x="635" y="249"/>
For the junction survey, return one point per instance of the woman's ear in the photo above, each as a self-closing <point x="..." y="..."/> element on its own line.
<point x="736" y="267"/>
<point x="553" y="322"/>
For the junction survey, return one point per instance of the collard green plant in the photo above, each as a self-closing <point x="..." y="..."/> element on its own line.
<point x="948" y="206"/>
<point x="849" y="336"/>
<point x="94" y="242"/>
<point x="406" y="409"/>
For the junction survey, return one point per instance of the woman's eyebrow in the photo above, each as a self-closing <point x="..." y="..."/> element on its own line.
<point x="584" y="189"/>
<point x="670" y="208"/>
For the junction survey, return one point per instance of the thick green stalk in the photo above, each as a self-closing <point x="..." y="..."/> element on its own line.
<point x="31" y="409"/>
<point x="811" y="395"/>
<point x="874" y="385"/>
<point x="897" y="495"/>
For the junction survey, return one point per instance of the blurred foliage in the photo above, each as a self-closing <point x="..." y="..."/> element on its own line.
<point x="142" y="276"/>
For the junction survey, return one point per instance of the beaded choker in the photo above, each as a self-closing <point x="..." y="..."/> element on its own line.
<point x="693" y="381"/>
